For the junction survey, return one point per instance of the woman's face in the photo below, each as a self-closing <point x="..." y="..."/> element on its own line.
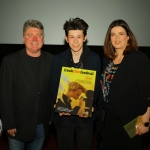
<point x="119" y="38"/>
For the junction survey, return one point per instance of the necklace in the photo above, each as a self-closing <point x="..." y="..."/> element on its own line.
<point x="79" y="64"/>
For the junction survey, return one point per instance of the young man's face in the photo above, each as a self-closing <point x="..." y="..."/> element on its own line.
<point x="75" y="39"/>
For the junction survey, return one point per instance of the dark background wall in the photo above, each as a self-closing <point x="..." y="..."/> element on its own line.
<point x="6" y="49"/>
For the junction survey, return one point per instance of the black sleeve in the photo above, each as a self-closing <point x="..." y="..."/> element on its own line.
<point x="6" y="95"/>
<point x="55" y="77"/>
<point x="141" y="66"/>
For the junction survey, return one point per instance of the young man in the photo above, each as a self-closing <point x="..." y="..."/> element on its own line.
<point x="78" y="56"/>
<point x="25" y="100"/>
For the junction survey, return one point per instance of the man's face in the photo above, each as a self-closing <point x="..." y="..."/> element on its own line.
<point x="33" y="39"/>
<point x="75" y="94"/>
<point x="75" y="39"/>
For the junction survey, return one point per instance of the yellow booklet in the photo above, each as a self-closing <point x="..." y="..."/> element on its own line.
<point x="76" y="91"/>
<point x="131" y="127"/>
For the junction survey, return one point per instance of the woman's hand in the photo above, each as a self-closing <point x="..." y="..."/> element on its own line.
<point x="141" y="129"/>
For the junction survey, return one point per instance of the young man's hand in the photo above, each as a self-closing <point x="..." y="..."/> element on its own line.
<point x="64" y="113"/>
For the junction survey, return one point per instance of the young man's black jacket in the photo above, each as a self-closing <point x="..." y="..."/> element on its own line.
<point x="90" y="60"/>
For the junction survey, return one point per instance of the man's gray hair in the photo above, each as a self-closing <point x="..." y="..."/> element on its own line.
<point x="32" y="24"/>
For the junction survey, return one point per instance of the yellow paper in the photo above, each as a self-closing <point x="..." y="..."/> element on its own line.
<point x="130" y="127"/>
<point x="82" y="104"/>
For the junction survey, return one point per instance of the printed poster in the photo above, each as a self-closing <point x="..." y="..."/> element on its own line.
<point x="76" y="91"/>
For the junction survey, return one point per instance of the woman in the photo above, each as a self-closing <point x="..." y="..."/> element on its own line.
<point x="125" y="82"/>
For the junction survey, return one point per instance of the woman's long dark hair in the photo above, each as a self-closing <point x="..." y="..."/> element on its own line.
<point x="109" y="50"/>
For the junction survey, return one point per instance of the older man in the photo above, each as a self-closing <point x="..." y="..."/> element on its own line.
<point x="25" y="99"/>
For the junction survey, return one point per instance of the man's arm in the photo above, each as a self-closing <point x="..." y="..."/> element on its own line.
<point x="6" y="95"/>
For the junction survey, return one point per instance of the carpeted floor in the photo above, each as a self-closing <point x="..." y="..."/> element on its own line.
<point x="51" y="142"/>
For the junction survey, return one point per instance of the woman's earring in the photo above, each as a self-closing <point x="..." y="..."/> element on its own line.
<point x="128" y="43"/>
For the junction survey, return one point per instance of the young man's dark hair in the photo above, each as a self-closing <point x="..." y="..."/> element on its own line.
<point x="76" y="24"/>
